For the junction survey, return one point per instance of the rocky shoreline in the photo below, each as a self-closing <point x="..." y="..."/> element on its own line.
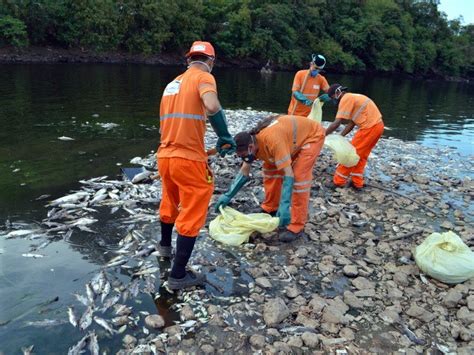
<point x="349" y="286"/>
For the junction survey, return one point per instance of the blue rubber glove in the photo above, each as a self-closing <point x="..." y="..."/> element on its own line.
<point x="219" y="125"/>
<point x="324" y="98"/>
<point x="236" y="185"/>
<point x="285" y="201"/>
<point x="302" y="98"/>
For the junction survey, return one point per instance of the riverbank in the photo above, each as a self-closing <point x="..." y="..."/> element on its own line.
<point x="351" y="284"/>
<point x="51" y="55"/>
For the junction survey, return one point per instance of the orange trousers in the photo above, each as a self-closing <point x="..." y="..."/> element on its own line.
<point x="302" y="166"/>
<point x="364" y="141"/>
<point x="187" y="187"/>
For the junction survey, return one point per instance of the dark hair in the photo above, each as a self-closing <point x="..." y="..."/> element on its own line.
<point x="243" y="139"/>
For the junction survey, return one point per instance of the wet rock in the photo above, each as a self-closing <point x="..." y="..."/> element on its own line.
<point x="389" y="316"/>
<point x="257" y="341"/>
<point x="292" y="292"/>
<point x="306" y="321"/>
<point x="350" y="270"/>
<point x="187" y="313"/>
<point x="333" y="315"/>
<point x="155" y="321"/>
<point x="465" y="316"/>
<point x="213" y="309"/>
<point x="173" y="330"/>
<point x="329" y="328"/>
<point x="394" y="294"/>
<point x="129" y="341"/>
<point x="292" y="270"/>
<point x="207" y="349"/>
<point x="281" y="347"/>
<point x="452" y="298"/>
<point x="301" y="252"/>
<point x="332" y="341"/>
<point x="295" y="341"/>
<point x="274" y="311"/>
<point x="317" y="303"/>
<point x="351" y="300"/>
<point x="401" y="278"/>
<point x="263" y="282"/>
<point x="362" y="283"/>
<point x="217" y="320"/>
<point x="311" y="340"/>
<point x="420" y="313"/>
<point x="365" y="293"/>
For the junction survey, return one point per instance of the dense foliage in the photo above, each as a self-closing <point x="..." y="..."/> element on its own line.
<point x="386" y="35"/>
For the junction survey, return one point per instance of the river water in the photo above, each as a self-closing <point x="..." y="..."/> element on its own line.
<point x="39" y="103"/>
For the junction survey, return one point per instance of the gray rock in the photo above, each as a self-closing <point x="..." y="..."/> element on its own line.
<point x="187" y="313"/>
<point x="155" y="321"/>
<point x="470" y="302"/>
<point x="394" y="294"/>
<point x="129" y="341"/>
<point x="281" y="347"/>
<point x="420" y="313"/>
<point x="347" y="333"/>
<point x="452" y="298"/>
<point x="311" y="340"/>
<point x="274" y="311"/>
<point x="257" y="341"/>
<point x="351" y="300"/>
<point x="292" y="292"/>
<point x="389" y="316"/>
<point x="173" y="330"/>
<point x="295" y="341"/>
<point x="362" y="283"/>
<point x="350" y="270"/>
<point x="263" y="282"/>
<point x="333" y="315"/>
<point x="208" y="349"/>
<point x="465" y="316"/>
<point x="317" y="303"/>
<point x="306" y="321"/>
<point x="401" y="278"/>
<point x="301" y="252"/>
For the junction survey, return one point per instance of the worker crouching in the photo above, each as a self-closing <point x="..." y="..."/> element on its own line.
<point x="355" y="110"/>
<point x="289" y="147"/>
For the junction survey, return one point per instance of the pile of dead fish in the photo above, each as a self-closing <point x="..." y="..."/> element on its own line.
<point x="350" y="285"/>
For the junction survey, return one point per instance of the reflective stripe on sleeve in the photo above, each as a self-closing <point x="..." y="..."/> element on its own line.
<point x="366" y="102"/>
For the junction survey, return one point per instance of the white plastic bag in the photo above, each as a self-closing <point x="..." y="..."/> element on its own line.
<point x="344" y="152"/>
<point x="445" y="257"/>
<point x="316" y="113"/>
<point x="234" y="228"/>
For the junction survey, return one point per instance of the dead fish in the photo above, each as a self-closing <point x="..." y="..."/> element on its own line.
<point x="151" y="270"/>
<point x="72" y="198"/>
<point x="72" y="316"/>
<point x="64" y="138"/>
<point x="27" y="350"/>
<point x="93" y="344"/>
<point x="90" y="293"/>
<point x="45" y="323"/>
<point x="30" y="255"/>
<point x="86" y="319"/>
<point x="77" y="349"/>
<point x="105" y="291"/>
<point x="410" y="335"/>
<point x="20" y="233"/>
<point x="135" y="287"/>
<point x="82" y="299"/>
<point x="104" y="324"/>
<point x="110" y="302"/>
<point x="122" y="310"/>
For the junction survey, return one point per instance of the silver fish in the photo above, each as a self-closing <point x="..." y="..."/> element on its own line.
<point x="77" y="349"/>
<point x="45" y="323"/>
<point x="20" y="233"/>
<point x="72" y="316"/>
<point x="90" y="293"/>
<point x="30" y="255"/>
<point x="135" y="287"/>
<point x="73" y="198"/>
<point x="86" y="319"/>
<point x="82" y="299"/>
<point x="104" y="324"/>
<point x="105" y="291"/>
<point x="27" y="350"/>
<point x="110" y="302"/>
<point x="93" y="344"/>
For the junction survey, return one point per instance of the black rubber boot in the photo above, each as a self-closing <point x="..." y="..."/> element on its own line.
<point x="180" y="278"/>
<point x="164" y="248"/>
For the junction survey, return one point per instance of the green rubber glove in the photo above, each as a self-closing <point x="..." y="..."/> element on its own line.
<point x="219" y="125"/>
<point x="236" y="185"/>
<point x="285" y="201"/>
<point x="324" y="98"/>
<point x="302" y="98"/>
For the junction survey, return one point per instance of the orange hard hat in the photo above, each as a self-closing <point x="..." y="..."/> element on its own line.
<point x="200" y="47"/>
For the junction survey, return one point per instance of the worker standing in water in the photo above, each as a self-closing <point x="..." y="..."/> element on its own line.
<point x="355" y="110"/>
<point x="307" y="85"/>
<point x="288" y="147"/>
<point x="187" y="181"/>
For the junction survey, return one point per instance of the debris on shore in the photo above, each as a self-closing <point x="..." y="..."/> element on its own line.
<point x="351" y="284"/>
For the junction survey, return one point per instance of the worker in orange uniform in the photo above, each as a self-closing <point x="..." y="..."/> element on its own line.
<point x="288" y="147"/>
<point x="306" y="87"/>
<point x="182" y="161"/>
<point x="355" y="110"/>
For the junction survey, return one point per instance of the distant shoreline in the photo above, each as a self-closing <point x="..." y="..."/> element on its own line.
<point x="54" y="55"/>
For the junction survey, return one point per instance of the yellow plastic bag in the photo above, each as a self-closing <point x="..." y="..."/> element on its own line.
<point x="445" y="257"/>
<point x="344" y="152"/>
<point x="234" y="228"/>
<point x="316" y="113"/>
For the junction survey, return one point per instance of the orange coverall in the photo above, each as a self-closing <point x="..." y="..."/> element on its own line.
<point x="366" y="115"/>
<point x="187" y="180"/>
<point x="294" y="141"/>
<point x="310" y="90"/>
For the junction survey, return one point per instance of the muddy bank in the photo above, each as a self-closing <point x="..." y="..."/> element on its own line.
<point x="351" y="284"/>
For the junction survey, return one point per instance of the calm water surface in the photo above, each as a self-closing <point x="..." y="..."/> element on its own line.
<point x="39" y="103"/>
